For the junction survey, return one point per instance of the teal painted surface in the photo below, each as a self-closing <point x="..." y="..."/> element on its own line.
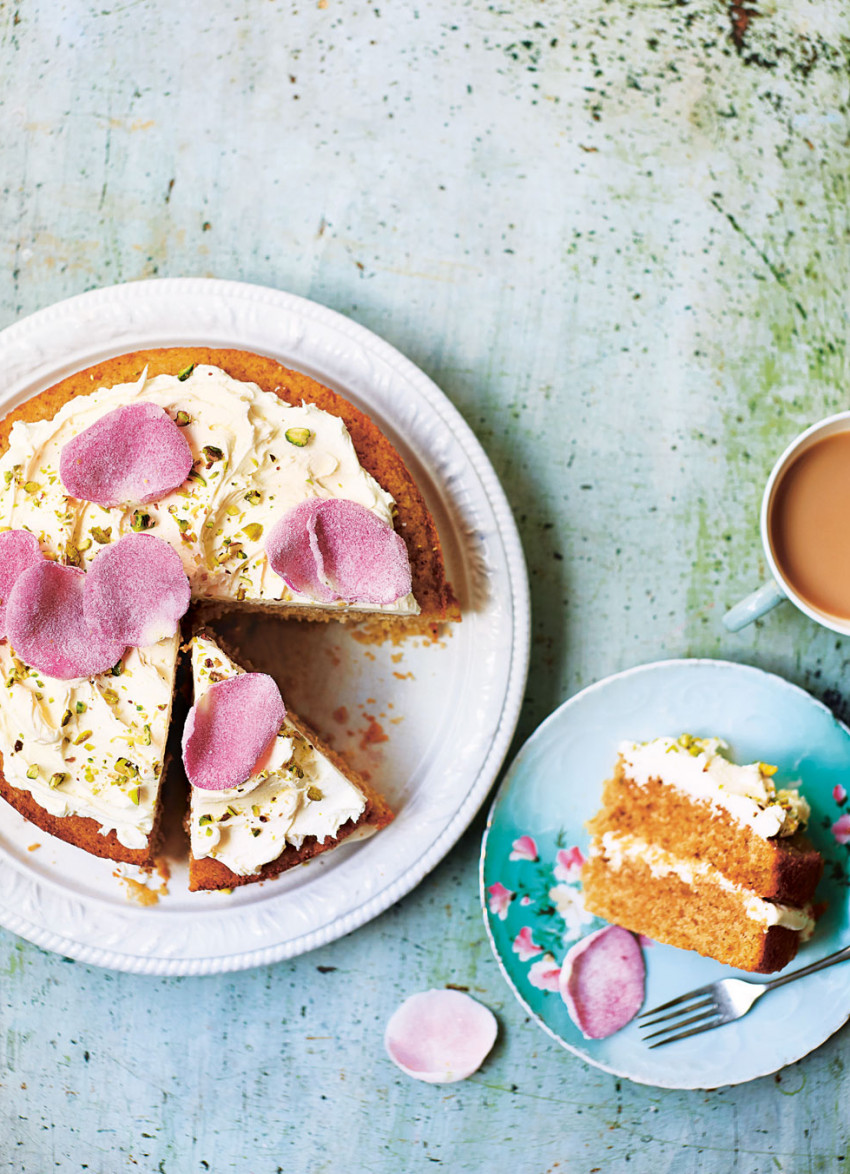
<point x="618" y="237"/>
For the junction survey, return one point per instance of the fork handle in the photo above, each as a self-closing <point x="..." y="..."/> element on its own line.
<point x="829" y="960"/>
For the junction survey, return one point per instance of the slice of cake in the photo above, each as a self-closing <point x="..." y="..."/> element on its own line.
<point x="299" y="798"/>
<point x="274" y="492"/>
<point x="695" y="851"/>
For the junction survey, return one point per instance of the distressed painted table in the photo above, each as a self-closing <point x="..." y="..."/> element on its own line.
<point x="617" y="236"/>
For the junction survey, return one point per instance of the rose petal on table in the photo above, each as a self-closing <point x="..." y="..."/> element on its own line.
<point x="440" y="1036"/>
<point x="135" y="453"/>
<point x="18" y="550"/>
<point x="602" y="981"/>
<point x="229" y="730"/>
<point x="364" y="560"/>
<point x="47" y="627"/>
<point x="136" y="590"/>
<point x="292" y="550"/>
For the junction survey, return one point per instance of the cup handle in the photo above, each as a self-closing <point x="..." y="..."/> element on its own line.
<point x="753" y="606"/>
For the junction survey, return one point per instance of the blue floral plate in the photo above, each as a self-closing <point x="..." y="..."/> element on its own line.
<point x="536" y="841"/>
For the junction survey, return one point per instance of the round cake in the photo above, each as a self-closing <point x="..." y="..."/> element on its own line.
<point x="275" y="493"/>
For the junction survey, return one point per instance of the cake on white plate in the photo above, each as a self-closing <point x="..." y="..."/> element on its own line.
<point x="275" y="493"/>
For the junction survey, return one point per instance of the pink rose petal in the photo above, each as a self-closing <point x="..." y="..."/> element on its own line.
<point x="291" y="553"/>
<point x="18" y="550"/>
<point x="838" y="793"/>
<point x="336" y="549"/>
<point x="602" y="981"/>
<point x="132" y="454"/>
<point x="229" y="730"/>
<point x="523" y="848"/>
<point x="524" y="945"/>
<point x="363" y="559"/>
<point x="136" y="590"/>
<point x="47" y="626"/>
<point x="440" y="1036"/>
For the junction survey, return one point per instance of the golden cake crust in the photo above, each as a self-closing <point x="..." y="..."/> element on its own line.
<point x="414" y="523"/>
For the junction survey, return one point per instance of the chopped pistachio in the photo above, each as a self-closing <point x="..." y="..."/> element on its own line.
<point x="133" y="795"/>
<point x="127" y="768"/>
<point x="32" y="772"/>
<point x="256" y="831"/>
<point x="146" y="738"/>
<point x="204" y="819"/>
<point x="182" y="525"/>
<point x="194" y="475"/>
<point x="232" y="510"/>
<point x="232" y="810"/>
<point x="110" y="696"/>
<point x="117" y="669"/>
<point x="255" y="809"/>
<point x="254" y="496"/>
<point x="183" y="376"/>
<point x="141" y="521"/>
<point x="253" y="531"/>
<point x="72" y="555"/>
<point x="81" y="707"/>
<point x="767" y="769"/>
<point x="31" y="486"/>
<point x="84" y="544"/>
<point x="57" y="780"/>
<point x="66" y="717"/>
<point x="80" y="738"/>
<point x="314" y="793"/>
<point x="100" y="535"/>
<point x="298" y="436"/>
<point x="212" y="454"/>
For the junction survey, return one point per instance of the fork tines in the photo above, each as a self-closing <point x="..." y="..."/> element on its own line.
<point x="703" y="1014"/>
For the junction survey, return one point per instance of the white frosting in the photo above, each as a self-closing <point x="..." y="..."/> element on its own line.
<point x="619" y="847"/>
<point x="696" y="767"/>
<point x="101" y="741"/>
<point x="295" y="792"/>
<point x="259" y="476"/>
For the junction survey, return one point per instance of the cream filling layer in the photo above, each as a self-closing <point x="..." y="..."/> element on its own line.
<point x="696" y="767"/>
<point x="617" y="848"/>
<point x="295" y="792"/>
<point x="246" y="475"/>
<point x="94" y="747"/>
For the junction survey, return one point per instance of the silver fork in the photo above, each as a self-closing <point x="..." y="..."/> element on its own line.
<point x="720" y="1002"/>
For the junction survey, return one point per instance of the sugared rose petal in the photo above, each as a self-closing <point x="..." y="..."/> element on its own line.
<point x="18" y="550"/>
<point x="136" y="590"/>
<point x="292" y="549"/>
<point x="336" y="549"/>
<point x="440" y="1036"/>
<point x="133" y="454"/>
<point x="602" y="981"/>
<point x="47" y="627"/>
<point x="230" y="729"/>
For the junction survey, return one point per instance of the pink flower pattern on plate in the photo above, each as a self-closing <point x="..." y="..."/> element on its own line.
<point x="524" y="945"/>
<point x="568" y="864"/>
<point x="545" y="973"/>
<point x="838" y="793"/>
<point x="841" y="829"/>
<point x="499" y="898"/>
<point x="524" y="849"/>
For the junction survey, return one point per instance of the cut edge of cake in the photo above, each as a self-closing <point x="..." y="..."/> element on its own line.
<point x="210" y="873"/>
<point x="689" y="864"/>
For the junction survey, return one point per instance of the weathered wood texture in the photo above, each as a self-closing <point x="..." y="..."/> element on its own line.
<point x="617" y="236"/>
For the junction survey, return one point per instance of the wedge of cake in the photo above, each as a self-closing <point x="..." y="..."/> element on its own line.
<point x="272" y="491"/>
<point x="695" y="851"/>
<point x="298" y="798"/>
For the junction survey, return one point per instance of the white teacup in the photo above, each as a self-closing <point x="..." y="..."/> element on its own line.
<point x="779" y="588"/>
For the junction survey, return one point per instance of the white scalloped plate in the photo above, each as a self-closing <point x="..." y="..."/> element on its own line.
<point x="447" y="712"/>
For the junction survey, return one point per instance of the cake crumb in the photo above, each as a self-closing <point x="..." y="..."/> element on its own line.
<point x="373" y="734"/>
<point x="404" y="676"/>
<point x="33" y="847"/>
<point x="340" y="715"/>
